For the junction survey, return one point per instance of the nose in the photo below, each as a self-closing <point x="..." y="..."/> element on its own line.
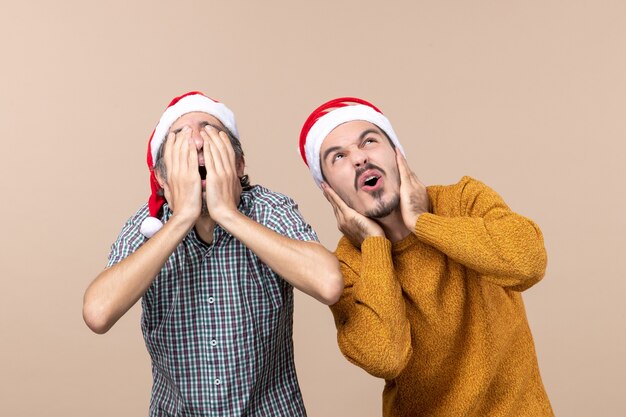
<point x="358" y="157"/>
<point x="197" y="139"/>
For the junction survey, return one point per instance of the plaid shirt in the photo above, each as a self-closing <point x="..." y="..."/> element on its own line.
<point x="217" y="321"/>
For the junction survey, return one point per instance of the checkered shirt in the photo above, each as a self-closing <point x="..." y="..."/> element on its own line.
<point x="218" y="322"/>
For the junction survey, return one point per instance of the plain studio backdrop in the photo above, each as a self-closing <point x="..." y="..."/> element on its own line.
<point x="529" y="97"/>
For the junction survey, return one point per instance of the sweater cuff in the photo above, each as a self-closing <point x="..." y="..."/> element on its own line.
<point x="376" y="255"/>
<point x="431" y="228"/>
<point x="373" y="244"/>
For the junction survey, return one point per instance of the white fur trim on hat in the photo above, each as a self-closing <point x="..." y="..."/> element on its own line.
<point x="188" y="104"/>
<point x="325" y="124"/>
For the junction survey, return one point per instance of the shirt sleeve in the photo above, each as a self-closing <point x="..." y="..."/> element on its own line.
<point x="286" y="220"/>
<point x="487" y="237"/>
<point x="127" y="242"/>
<point x="373" y="330"/>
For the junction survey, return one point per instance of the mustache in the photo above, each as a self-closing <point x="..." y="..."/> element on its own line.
<point x="359" y="171"/>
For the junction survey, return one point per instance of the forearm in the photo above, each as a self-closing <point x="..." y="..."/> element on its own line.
<point x="509" y="248"/>
<point x="308" y="266"/>
<point x="373" y="329"/>
<point x="116" y="289"/>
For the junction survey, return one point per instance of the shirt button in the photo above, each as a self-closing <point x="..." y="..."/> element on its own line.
<point x="217" y="381"/>
<point x="211" y="300"/>
<point x="213" y="342"/>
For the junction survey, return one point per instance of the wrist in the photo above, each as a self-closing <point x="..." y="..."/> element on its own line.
<point x="225" y="216"/>
<point x="412" y="221"/>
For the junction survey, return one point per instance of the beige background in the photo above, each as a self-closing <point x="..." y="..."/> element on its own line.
<point x="527" y="96"/>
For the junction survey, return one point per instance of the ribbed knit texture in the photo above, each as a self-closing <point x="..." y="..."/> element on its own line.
<point x="439" y="314"/>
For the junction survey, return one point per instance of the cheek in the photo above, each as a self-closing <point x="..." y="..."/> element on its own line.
<point x="338" y="179"/>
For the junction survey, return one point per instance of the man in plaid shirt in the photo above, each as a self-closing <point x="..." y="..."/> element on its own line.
<point x="214" y="261"/>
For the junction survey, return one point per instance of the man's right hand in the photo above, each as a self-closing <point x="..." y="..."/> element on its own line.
<point x="355" y="226"/>
<point x="183" y="187"/>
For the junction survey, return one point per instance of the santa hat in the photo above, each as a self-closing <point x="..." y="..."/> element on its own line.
<point x="330" y="115"/>
<point x="187" y="103"/>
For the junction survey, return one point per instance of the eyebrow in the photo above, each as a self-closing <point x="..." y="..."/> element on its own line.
<point x="361" y="137"/>
<point x="217" y="127"/>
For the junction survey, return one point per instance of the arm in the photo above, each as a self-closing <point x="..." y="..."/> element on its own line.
<point x="373" y="331"/>
<point x="504" y="247"/>
<point x="307" y="266"/>
<point x="487" y="237"/>
<point x="116" y="289"/>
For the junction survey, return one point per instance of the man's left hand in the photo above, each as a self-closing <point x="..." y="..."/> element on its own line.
<point x="222" y="186"/>
<point x="413" y="196"/>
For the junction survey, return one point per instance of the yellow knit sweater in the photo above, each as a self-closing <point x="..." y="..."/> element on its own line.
<point x="439" y="315"/>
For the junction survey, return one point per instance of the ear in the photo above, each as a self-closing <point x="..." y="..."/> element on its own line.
<point x="241" y="166"/>
<point x="159" y="178"/>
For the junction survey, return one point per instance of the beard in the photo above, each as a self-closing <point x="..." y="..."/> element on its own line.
<point x="383" y="208"/>
<point x="204" y="211"/>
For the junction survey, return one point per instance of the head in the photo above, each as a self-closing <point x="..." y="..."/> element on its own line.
<point x="195" y="110"/>
<point x="349" y="144"/>
<point x="196" y="121"/>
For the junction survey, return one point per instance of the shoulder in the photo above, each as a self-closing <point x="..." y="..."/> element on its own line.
<point x="448" y="199"/>
<point x="457" y="188"/>
<point x="259" y="196"/>
<point x="129" y="238"/>
<point x="347" y="253"/>
<point x="140" y="215"/>
<point x="132" y="225"/>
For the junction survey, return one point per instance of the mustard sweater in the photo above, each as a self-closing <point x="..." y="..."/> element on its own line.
<point x="439" y="315"/>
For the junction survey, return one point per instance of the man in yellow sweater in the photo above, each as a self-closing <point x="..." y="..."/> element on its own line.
<point x="433" y="275"/>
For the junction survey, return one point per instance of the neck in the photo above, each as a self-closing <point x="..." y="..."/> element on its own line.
<point x="394" y="226"/>
<point x="205" y="226"/>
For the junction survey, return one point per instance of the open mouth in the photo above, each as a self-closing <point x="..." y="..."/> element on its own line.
<point x="371" y="181"/>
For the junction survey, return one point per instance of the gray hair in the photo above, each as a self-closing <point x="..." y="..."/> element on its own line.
<point x="159" y="164"/>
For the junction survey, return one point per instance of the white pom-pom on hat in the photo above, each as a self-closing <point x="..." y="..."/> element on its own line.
<point x="150" y="226"/>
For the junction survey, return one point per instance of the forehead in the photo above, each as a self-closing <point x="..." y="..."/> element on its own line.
<point x="195" y="118"/>
<point x="349" y="132"/>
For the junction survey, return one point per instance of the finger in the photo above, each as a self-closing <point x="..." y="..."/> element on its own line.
<point x="167" y="151"/>
<point x="183" y="156"/>
<point x="192" y="158"/>
<point x="209" y="165"/>
<point x="230" y="152"/>
<point x="338" y="214"/>
<point x="326" y="190"/>
<point x="176" y="149"/>
<point x="402" y="166"/>
<point x="214" y="146"/>
<point x="222" y="141"/>
<point x="216" y="141"/>
<point x="335" y="198"/>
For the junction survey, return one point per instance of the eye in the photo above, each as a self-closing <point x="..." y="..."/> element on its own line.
<point x="368" y="141"/>
<point x="338" y="156"/>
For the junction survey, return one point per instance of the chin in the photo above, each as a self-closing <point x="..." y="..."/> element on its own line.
<point x="383" y="208"/>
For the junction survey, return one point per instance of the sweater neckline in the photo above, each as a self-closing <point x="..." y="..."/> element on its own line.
<point x="407" y="242"/>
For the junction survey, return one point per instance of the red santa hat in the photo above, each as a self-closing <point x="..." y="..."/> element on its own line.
<point x="327" y="117"/>
<point x="187" y="103"/>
